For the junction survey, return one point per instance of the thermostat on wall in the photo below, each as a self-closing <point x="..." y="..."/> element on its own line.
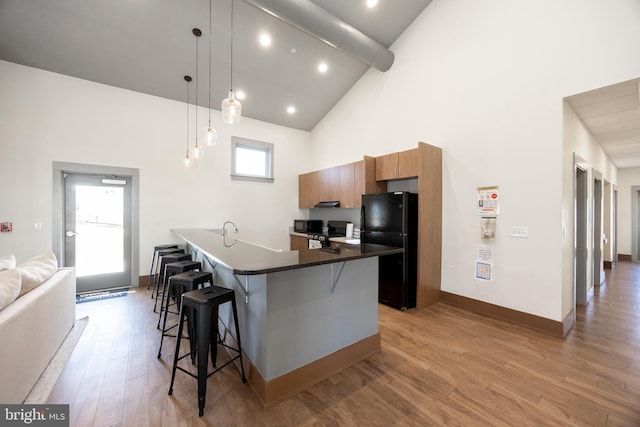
<point x="6" y="227"/>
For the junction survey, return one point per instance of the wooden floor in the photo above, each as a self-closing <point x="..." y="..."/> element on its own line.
<point x="438" y="366"/>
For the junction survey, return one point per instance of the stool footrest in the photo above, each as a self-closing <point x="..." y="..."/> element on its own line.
<point x="212" y="372"/>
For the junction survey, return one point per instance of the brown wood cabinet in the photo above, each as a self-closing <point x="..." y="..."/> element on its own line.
<point x="298" y="242"/>
<point x="346" y="186"/>
<point x="328" y="184"/>
<point x="403" y="164"/>
<point x="429" y="224"/>
<point x="308" y="195"/>
<point x="364" y="181"/>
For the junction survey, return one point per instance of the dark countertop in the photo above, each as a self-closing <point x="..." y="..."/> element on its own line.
<point x="247" y="258"/>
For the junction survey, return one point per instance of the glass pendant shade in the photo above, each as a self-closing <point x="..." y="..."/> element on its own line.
<point x="212" y="135"/>
<point x="231" y="109"/>
<point x="197" y="150"/>
<point x="187" y="161"/>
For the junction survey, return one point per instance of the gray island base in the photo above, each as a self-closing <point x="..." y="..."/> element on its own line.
<point x="304" y="315"/>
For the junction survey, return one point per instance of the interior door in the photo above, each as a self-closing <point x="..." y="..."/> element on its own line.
<point x="598" y="265"/>
<point x="98" y="224"/>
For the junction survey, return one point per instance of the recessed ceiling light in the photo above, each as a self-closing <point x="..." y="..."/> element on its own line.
<point x="291" y="109"/>
<point x="372" y="3"/>
<point x="323" y="67"/>
<point x="293" y="50"/>
<point x="240" y="95"/>
<point x="265" y="40"/>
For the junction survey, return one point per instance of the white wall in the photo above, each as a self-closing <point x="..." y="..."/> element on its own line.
<point x="627" y="178"/>
<point x="46" y="117"/>
<point x="485" y="81"/>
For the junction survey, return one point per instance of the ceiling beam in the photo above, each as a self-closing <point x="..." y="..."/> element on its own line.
<point x="317" y="22"/>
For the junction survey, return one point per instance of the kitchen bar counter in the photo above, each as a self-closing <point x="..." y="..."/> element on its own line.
<point x="304" y="315"/>
<point x="247" y="258"/>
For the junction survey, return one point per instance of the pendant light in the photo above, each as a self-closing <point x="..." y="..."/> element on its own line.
<point x="197" y="149"/>
<point x="187" y="160"/>
<point x="210" y="132"/>
<point x="231" y="107"/>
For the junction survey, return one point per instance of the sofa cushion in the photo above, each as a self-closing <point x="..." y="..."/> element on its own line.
<point x="36" y="270"/>
<point x="9" y="286"/>
<point x="7" y="261"/>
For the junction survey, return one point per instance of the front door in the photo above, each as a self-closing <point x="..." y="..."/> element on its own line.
<point x="97" y="234"/>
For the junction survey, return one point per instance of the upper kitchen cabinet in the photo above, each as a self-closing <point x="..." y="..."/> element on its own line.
<point x="345" y="183"/>
<point x="405" y="164"/>
<point x="308" y="195"/>
<point x="329" y="184"/>
<point x="346" y="188"/>
<point x="365" y="180"/>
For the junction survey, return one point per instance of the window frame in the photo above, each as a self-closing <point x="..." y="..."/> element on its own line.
<point x="262" y="146"/>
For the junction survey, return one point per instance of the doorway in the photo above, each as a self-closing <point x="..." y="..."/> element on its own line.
<point x="98" y="231"/>
<point x="635" y="223"/>
<point x="95" y="224"/>
<point x="581" y="229"/>
<point x="598" y="264"/>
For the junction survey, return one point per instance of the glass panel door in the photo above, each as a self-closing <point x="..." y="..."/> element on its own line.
<point x="98" y="231"/>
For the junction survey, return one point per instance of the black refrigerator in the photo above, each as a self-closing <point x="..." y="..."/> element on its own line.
<point x="392" y="219"/>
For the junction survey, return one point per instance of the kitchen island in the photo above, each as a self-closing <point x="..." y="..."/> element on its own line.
<point x="304" y="315"/>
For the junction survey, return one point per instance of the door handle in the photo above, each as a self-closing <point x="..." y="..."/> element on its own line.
<point x="71" y="233"/>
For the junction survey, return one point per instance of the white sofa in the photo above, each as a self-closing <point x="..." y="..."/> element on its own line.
<point x="31" y="330"/>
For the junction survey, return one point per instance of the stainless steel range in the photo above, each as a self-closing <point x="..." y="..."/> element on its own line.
<point x="318" y="240"/>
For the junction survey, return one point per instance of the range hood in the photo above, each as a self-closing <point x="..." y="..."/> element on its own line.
<point x="333" y="204"/>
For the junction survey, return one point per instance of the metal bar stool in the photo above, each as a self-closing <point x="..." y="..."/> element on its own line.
<point x="154" y="257"/>
<point x="161" y="282"/>
<point x="178" y="285"/>
<point x="205" y="303"/>
<point x="157" y="272"/>
<point x="172" y="269"/>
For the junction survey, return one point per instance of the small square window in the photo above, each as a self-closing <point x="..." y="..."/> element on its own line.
<point x="251" y="159"/>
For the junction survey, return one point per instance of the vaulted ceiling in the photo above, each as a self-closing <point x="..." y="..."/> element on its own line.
<point x="148" y="46"/>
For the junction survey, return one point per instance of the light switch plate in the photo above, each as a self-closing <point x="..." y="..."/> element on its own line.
<point x="520" y="231"/>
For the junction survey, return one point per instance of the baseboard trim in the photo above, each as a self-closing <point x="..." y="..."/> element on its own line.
<point x="278" y="389"/>
<point x="530" y="321"/>
<point x="142" y="280"/>
<point x="608" y="265"/>
<point x="624" y="257"/>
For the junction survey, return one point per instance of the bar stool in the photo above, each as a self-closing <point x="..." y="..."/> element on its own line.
<point x="172" y="269"/>
<point x="154" y="257"/>
<point x="205" y="303"/>
<point x="158" y="272"/>
<point x="178" y="285"/>
<point x="161" y="282"/>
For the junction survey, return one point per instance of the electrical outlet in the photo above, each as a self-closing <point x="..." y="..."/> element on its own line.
<point x="38" y="225"/>
<point x="520" y="231"/>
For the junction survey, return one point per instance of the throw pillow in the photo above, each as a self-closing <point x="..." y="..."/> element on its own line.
<point x="9" y="286"/>
<point x="37" y="270"/>
<point x="7" y="261"/>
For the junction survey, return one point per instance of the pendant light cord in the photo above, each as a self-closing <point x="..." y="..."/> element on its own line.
<point x="232" y="44"/>
<point x="209" y="62"/>
<point x="187" y="116"/>
<point x="196" y="88"/>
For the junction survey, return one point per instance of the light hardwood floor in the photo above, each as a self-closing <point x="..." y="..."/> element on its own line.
<point x="438" y="366"/>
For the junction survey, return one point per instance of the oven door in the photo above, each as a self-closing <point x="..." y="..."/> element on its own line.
<point x="315" y="244"/>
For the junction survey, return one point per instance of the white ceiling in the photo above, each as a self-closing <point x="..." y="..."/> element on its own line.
<point x="612" y="115"/>
<point x="148" y="46"/>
